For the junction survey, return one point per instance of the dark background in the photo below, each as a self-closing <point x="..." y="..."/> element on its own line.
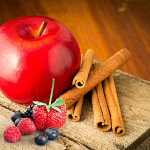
<point x="103" y="25"/>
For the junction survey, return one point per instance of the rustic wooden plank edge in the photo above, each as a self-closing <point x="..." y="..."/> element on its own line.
<point x="146" y="134"/>
<point x="145" y="145"/>
<point x="140" y="140"/>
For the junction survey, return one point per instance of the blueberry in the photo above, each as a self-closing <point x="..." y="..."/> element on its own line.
<point x="41" y="139"/>
<point x="52" y="133"/>
<point x="16" y="115"/>
<point x="17" y="121"/>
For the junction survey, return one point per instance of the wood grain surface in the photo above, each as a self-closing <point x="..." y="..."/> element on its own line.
<point x="134" y="99"/>
<point x="103" y="25"/>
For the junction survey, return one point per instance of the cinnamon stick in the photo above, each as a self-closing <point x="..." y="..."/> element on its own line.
<point x="100" y="108"/>
<point x="74" y="112"/>
<point x="82" y="75"/>
<point x="114" y="108"/>
<point x="96" y="76"/>
<point x="117" y="125"/>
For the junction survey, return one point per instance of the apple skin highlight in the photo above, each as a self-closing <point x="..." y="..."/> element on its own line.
<point x="28" y="63"/>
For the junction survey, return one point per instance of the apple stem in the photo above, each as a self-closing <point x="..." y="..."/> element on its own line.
<point x="41" y="29"/>
<point x="52" y="88"/>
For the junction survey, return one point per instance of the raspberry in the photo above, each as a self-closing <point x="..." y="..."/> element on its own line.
<point x="12" y="134"/>
<point x="26" y="126"/>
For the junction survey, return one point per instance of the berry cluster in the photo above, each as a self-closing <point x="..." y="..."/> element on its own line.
<point x="48" y="134"/>
<point x="47" y="118"/>
<point x="24" y="125"/>
<point x="18" y="115"/>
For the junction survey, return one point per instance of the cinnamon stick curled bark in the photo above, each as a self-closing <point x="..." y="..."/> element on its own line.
<point x="100" y="109"/>
<point x="96" y="76"/>
<point x="82" y="75"/>
<point x="74" y="112"/>
<point x="113" y="105"/>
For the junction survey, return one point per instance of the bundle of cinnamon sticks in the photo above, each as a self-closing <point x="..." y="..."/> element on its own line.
<point x="99" y="80"/>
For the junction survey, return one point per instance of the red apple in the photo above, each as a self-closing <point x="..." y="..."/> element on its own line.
<point x="28" y="63"/>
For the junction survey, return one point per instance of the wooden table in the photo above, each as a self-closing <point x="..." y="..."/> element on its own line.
<point x="134" y="99"/>
<point x="104" y="25"/>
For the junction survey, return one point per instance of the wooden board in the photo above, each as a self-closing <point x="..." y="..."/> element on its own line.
<point x="134" y="98"/>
